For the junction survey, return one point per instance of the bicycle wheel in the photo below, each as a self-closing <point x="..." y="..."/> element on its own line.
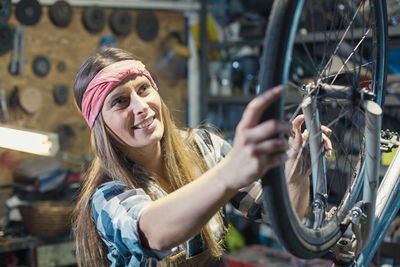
<point x="315" y="47"/>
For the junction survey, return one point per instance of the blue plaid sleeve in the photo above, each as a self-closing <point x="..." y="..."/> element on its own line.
<point x="116" y="212"/>
<point x="249" y="199"/>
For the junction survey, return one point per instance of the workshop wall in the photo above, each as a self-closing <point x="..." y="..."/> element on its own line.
<point x="66" y="48"/>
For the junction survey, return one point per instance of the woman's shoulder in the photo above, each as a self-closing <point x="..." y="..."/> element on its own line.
<point x="111" y="186"/>
<point x="112" y="194"/>
<point x="210" y="143"/>
<point x="112" y="189"/>
<point x="208" y="136"/>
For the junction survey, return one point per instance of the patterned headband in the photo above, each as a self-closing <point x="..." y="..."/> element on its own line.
<point x="105" y="81"/>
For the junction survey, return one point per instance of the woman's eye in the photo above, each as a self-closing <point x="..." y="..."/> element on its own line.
<point x="143" y="88"/>
<point x="118" y="101"/>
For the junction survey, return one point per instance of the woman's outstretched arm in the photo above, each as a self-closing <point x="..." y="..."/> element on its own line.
<point x="179" y="216"/>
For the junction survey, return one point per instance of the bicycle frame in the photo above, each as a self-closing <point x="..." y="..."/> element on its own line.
<point x="357" y="157"/>
<point x="387" y="206"/>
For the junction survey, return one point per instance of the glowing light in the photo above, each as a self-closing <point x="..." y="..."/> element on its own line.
<point x="29" y="141"/>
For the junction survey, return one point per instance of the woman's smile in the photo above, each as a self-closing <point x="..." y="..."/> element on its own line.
<point x="144" y="125"/>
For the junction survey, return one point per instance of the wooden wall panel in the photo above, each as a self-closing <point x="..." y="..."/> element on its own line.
<point x="73" y="45"/>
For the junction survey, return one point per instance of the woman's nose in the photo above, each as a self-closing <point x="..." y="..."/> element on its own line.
<point x="138" y="104"/>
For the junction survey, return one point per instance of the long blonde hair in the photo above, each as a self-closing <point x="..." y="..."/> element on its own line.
<point x="181" y="159"/>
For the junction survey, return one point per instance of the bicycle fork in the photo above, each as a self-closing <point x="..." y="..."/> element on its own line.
<point x="318" y="160"/>
<point x="362" y="216"/>
<point x="373" y="113"/>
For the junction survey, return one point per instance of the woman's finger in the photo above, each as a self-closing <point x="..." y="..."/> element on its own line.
<point x="266" y="129"/>
<point x="272" y="146"/>
<point x="327" y="145"/>
<point x="274" y="160"/>
<point x="297" y="123"/>
<point x="326" y="130"/>
<point x="253" y="111"/>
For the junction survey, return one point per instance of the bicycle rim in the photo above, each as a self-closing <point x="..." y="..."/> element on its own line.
<point x="323" y="42"/>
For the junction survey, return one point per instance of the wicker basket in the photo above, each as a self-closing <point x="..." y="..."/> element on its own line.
<point x="47" y="218"/>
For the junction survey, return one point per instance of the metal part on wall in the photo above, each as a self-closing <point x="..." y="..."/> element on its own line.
<point x="17" y="57"/>
<point x="6" y="37"/>
<point x="94" y="19"/>
<point x="120" y="22"/>
<point x="28" y="12"/>
<point x="60" y="13"/>
<point x="5" y="10"/>
<point x="147" y="25"/>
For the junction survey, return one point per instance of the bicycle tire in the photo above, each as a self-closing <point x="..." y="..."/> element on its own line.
<point x="275" y="64"/>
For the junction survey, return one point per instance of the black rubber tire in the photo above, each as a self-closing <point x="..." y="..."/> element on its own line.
<point x="301" y="241"/>
<point x="60" y="13"/>
<point x="120" y="22"/>
<point x="28" y="12"/>
<point x="94" y="19"/>
<point x="6" y="37"/>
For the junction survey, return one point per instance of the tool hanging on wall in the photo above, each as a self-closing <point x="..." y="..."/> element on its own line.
<point x="94" y="19"/>
<point x="13" y="100"/>
<point x="120" y="22"/>
<point x="61" y="66"/>
<point x="30" y="99"/>
<point x="147" y="25"/>
<point x="107" y="41"/>
<point x="28" y="12"/>
<point x="6" y="37"/>
<point x="66" y="135"/>
<point x="17" y="57"/>
<point x="60" y="13"/>
<point x="41" y="66"/>
<point x="172" y="57"/>
<point x="3" y="105"/>
<point x="60" y="94"/>
<point x="5" y="10"/>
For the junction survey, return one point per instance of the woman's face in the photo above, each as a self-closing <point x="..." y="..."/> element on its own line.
<point x="132" y="112"/>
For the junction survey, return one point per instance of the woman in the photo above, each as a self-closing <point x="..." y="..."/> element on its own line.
<point x="154" y="194"/>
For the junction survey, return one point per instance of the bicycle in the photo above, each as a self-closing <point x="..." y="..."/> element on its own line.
<point x="334" y="70"/>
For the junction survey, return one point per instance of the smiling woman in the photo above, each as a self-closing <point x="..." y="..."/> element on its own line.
<point x="133" y="110"/>
<point x="154" y="194"/>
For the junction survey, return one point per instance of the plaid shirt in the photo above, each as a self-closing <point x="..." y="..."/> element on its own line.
<point x="116" y="211"/>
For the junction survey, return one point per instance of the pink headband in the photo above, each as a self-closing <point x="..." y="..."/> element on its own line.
<point x="105" y="81"/>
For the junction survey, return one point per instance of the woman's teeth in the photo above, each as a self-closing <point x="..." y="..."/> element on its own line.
<point x="144" y="124"/>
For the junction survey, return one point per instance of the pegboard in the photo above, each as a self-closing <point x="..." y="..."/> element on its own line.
<point x="72" y="45"/>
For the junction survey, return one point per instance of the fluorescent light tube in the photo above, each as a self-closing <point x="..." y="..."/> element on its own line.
<point x="30" y="141"/>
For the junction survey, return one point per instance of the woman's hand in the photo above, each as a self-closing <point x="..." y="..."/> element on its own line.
<point x="298" y="168"/>
<point x="256" y="148"/>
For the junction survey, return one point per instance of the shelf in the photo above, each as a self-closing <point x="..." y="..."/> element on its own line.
<point x="222" y="45"/>
<point x="394" y="31"/>
<point x="357" y="34"/>
<point x="138" y="4"/>
<point x="392" y="100"/>
<point x="393" y="78"/>
<point x="334" y="36"/>
<point x="9" y="243"/>
<point x="230" y="99"/>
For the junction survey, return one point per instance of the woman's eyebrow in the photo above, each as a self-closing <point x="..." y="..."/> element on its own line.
<point x="141" y="83"/>
<point x="113" y="95"/>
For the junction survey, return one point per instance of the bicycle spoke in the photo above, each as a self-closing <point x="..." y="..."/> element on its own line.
<point x="342" y="39"/>
<point x="309" y="56"/>
<point x="352" y="53"/>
